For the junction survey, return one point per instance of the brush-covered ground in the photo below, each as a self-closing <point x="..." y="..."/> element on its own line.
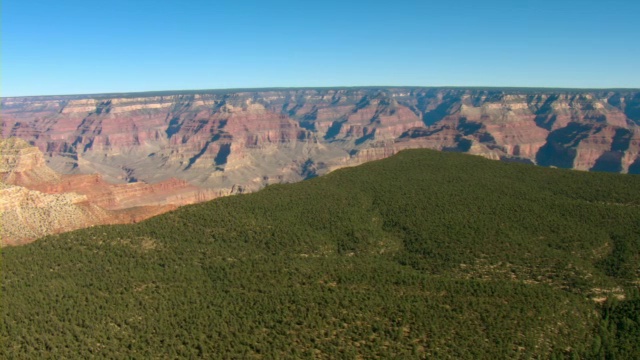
<point x="422" y="255"/>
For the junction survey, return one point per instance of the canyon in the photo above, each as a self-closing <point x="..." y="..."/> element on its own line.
<point x="116" y="158"/>
<point x="36" y="201"/>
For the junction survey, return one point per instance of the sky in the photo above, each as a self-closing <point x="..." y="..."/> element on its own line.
<point x="78" y="47"/>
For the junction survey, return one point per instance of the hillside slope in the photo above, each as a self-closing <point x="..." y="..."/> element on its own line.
<point x="424" y="254"/>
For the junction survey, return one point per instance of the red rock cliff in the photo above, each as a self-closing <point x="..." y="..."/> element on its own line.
<point x="177" y="148"/>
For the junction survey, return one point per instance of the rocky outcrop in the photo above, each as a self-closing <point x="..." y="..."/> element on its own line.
<point x="163" y="149"/>
<point x="22" y="164"/>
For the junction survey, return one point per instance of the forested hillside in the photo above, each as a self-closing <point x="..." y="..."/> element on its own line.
<point x="421" y="255"/>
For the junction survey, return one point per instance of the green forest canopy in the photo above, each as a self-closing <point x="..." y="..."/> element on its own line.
<point x="422" y="255"/>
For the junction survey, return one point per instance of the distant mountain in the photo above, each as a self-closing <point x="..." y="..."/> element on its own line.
<point x="423" y="255"/>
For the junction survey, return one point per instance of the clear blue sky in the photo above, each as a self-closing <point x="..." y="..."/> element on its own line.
<point x="71" y="47"/>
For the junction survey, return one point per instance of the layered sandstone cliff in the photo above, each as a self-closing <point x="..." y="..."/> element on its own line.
<point x="174" y="148"/>
<point x="227" y="139"/>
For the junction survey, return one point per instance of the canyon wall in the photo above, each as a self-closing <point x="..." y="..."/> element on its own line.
<point x="173" y="148"/>
<point x="222" y="139"/>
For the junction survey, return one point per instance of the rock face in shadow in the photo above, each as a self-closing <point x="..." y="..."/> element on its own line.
<point x="154" y="149"/>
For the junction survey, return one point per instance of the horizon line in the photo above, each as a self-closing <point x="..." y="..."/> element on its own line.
<point x="341" y="87"/>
